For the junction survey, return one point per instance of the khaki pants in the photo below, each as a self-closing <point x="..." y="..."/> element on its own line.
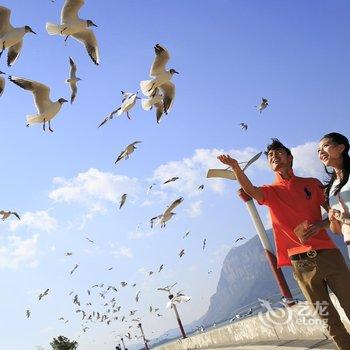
<point x="314" y="275"/>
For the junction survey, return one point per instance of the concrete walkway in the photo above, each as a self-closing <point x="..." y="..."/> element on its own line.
<point x="287" y="345"/>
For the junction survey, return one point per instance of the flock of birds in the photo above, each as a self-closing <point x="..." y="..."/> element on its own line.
<point x="159" y="94"/>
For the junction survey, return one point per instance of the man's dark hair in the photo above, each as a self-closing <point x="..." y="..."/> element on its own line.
<point x="277" y="144"/>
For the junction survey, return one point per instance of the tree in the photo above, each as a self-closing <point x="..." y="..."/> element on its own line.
<point x="63" y="343"/>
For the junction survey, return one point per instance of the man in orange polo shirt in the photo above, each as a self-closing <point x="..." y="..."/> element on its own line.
<point x="300" y="236"/>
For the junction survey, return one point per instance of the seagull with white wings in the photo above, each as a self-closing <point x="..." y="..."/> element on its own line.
<point x="47" y="109"/>
<point x="179" y="298"/>
<point x="128" y="102"/>
<point x="161" y="78"/>
<point x="72" y="25"/>
<point x="11" y="38"/>
<point x="168" y="213"/>
<point x="127" y="151"/>
<point x="73" y="79"/>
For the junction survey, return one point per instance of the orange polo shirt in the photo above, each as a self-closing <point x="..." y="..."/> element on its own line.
<point x="291" y="202"/>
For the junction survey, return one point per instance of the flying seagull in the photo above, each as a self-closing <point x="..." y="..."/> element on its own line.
<point x="28" y="313"/>
<point x="123" y="284"/>
<point x="90" y="240"/>
<point x="127" y="151"/>
<point x="168" y="214"/>
<point x="150" y="273"/>
<point x="201" y="187"/>
<point x="122" y="200"/>
<point x="171" y="180"/>
<point x="160" y="268"/>
<point x="161" y="78"/>
<point x="186" y="234"/>
<point x="72" y="25"/>
<point x="6" y="214"/>
<point x="180" y="298"/>
<point x="47" y="109"/>
<point x="204" y="243"/>
<point x="75" y="267"/>
<point x="68" y="254"/>
<point x="239" y="239"/>
<point x="11" y="38"/>
<point x="243" y="126"/>
<point x="41" y="295"/>
<point x="128" y="101"/>
<point x="263" y="104"/>
<point x="182" y="252"/>
<point x="72" y="80"/>
<point x="137" y="296"/>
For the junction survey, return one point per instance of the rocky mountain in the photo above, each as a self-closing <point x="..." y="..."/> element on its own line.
<point x="245" y="277"/>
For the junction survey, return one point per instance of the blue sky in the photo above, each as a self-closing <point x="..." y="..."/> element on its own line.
<point x="66" y="186"/>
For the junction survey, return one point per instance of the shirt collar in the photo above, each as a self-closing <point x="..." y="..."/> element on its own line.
<point x="280" y="179"/>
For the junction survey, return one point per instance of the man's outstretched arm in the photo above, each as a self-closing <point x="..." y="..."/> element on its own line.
<point x="248" y="187"/>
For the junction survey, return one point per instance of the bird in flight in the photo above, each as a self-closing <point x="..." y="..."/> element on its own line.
<point x="122" y="200"/>
<point x="74" y="268"/>
<point x="6" y="214"/>
<point x="171" y="180"/>
<point x="160" y="268"/>
<point x="243" y="126"/>
<point x="72" y="25"/>
<point x="239" y="239"/>
<point x="72" y="80"/>
<point x="11" y="38"/>
<point x="68" y="254"/>
<point x="182" y="252"/>
<point x="41" y="295"/>
<point x="127" y="151"/>
<point x="168" y="214"/>
<point x="128" y="101"/>
<point x="161" y="79"/>
<point x="186" y="234"/>
<point x="90" y="240"/>
<point x="28" y="313"/>
<point x="204" y="243"/>
<point x="263" y="104"/>
<point x="46" y="108"/>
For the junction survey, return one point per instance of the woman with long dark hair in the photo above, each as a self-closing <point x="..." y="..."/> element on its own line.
<point x="333" y="152"/>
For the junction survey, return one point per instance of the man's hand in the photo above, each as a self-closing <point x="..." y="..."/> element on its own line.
<point x="226" y="159"/>
<point x="312" y="229"/>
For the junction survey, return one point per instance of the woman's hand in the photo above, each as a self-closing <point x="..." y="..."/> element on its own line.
<point x="334" y="217"/>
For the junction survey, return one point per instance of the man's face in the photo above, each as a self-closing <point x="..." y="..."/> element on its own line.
<point x="279" y="159"/>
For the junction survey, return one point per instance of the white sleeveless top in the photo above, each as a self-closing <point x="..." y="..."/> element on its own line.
<point x="341" y="202"/>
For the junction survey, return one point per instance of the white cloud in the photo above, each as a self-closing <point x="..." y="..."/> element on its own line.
<point x="195" y="209"/>
<point x="306" y="162"/>
<point x="39" y="220"/>
<point x="19" y="251"/>
<point x="192" y="171"/>
<point x="124" y="252"/>
<point x="93" y="185"/>
<point x="135" y="235"/>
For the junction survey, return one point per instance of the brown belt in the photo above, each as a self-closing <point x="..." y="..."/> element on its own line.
<point x="310" y="254"/>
